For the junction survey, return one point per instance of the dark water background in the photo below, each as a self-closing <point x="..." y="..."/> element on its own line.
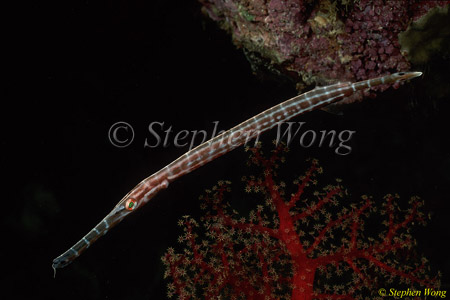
<point x="75" y="68"/>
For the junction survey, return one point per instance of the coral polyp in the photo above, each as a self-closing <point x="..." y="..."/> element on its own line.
<point x="299" y="242"/>
<point x="322" y="41"/>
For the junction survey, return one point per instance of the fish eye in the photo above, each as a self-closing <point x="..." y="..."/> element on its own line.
<point x="130" y="204"/>
<point x="401" y="73"/>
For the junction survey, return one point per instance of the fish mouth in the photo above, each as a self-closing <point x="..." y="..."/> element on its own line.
<point x="111" y="220"/>
<point x="61" y="261"/>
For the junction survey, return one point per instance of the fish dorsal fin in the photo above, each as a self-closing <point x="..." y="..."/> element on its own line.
<point x="336" y="84"/>
<point x="336" y="108"/>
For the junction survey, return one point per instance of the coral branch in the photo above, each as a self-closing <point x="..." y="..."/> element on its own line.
<point x="320" y="248"/>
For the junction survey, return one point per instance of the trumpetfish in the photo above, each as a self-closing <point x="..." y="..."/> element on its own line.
<point x="218" y="146"/>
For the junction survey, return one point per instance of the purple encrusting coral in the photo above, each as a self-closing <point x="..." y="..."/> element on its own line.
<point x="320" y="41"/>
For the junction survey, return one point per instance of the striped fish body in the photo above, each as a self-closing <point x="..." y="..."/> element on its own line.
<point x="220" y="145"/>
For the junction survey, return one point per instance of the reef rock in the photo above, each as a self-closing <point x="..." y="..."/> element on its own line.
<point x="322" y="41"/>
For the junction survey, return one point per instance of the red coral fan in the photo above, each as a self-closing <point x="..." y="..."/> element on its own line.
<point x="322" y="41"/>
<point x="295" y="244"/>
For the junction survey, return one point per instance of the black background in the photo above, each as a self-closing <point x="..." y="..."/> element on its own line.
<point x="74" y="68"/>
